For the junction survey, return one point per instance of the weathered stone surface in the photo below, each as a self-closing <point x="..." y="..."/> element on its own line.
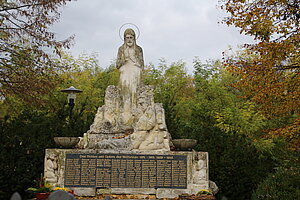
<point x="103" y="191"/>
<point x="16" y="196"/>
<point x="197" y="166"/>
<point x="60" y="194"/>
<point x="108" y="119"/>
<point x="171" y="193"/>
<point x="147" y="131"/>
<point x="53" y="167"/>
<point x="213" y="187"/>
<point x="200" y="168"/>
<point x="133" y="191"/>
<point x="130" y="63"/>
<point x="184" y="144"/>
<point x="66" y="142"/>
<point x="155" y="140"/>
<point x="84" y="191"/>
<point x="195" y="188"/>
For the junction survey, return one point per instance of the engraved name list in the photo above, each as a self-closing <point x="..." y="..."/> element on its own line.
<point x="126" y="171"/>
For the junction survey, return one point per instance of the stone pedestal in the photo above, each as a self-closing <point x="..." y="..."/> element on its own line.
<point x="165" y="174"/>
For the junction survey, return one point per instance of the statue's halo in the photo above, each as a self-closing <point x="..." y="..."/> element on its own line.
<point x="129" y="25"/>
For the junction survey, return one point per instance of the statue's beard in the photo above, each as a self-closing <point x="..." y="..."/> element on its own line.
<point x="130" y="44"/>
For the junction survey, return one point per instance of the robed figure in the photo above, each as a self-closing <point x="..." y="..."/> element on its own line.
<point x="130" y="63"/>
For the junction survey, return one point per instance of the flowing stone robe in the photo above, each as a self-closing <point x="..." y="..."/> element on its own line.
<point x="130" y="63"/>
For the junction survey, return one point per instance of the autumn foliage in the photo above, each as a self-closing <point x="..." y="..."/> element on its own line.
<point x="27" y="45"/>
<point x="269" y="70"/>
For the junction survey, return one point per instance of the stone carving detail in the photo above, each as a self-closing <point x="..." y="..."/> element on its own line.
<point x="107" y="119"/>
<point x="129" y="119"/>
<point x="200" y="169"/>
<point x="51" y="168"/>
<point x="145" y="112"/>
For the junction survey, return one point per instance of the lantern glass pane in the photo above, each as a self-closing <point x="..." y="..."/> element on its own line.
<point x="71" y="96"/>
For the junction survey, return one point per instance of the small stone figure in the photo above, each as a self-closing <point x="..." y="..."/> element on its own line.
<point x="156" y="140"/>
<point x="51" y="168"/>
<point x="145" y="109"/>
<point x="200" y="169"/>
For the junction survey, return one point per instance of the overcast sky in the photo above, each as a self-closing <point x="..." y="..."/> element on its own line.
<point x="170" y="29"/>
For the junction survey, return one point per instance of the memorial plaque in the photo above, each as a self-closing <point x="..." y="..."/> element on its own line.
<point x="126" y="171"/>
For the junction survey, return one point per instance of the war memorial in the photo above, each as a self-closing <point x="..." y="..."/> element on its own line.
<point x="127" y="149"/>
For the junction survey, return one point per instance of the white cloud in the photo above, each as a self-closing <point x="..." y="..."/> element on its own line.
<point x="173" y="29"/>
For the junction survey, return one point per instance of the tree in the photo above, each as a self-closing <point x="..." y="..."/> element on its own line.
<point x="192" y="104"/>
<point x="284" y="183"/>
<point x="269" y="70"/>
<point x="30" y="130"/>
<point x="266" y="20"/>
<point x="84" y="72"/>
<point x="173" y="88"/>
<point x="224" y="126"/>
<point x="26" y="47"/>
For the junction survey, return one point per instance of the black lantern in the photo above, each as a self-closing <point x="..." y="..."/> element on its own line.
<point x="71" y="97"/>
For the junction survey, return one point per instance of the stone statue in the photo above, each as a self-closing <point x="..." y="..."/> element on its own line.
<point x="129" y="119"/>
<point x="150" y="131"/>
<point x="130" y="51"/>
<point x="130" y="63"/>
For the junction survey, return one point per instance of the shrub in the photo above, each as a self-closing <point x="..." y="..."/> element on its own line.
<point x="283" y="184"/>
<point x="23" y="143"/>
<point x="234" y="163"/>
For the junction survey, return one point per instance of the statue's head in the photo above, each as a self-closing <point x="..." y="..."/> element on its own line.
<point x="129" y="37"/>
